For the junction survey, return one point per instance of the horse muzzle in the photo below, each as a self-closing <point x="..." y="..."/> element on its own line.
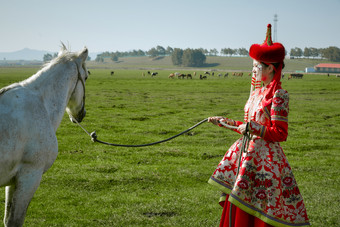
<point x="79" y="117"/>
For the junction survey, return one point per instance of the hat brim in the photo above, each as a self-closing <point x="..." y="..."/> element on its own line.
<point x="270" y="54"/>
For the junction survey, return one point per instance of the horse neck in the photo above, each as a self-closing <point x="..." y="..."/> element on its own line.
<point x="54" y="84"/>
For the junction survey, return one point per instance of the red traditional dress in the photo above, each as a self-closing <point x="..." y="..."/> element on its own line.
<point x="265" y="186"/>
<point x="263" y="189"/>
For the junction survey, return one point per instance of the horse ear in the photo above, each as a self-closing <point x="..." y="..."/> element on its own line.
<point x="63" y="49"/>
<point x="83" y="54"/>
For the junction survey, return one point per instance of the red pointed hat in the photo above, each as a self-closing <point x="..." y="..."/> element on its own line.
<point x="268" y="51"/>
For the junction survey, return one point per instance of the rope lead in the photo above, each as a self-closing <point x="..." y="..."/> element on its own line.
<point x="94" y="136"/>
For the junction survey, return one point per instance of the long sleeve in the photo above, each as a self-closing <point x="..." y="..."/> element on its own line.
<point x="278" y="130"/>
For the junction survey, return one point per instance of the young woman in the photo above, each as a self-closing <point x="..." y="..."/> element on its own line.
<point x="255" y="177"/>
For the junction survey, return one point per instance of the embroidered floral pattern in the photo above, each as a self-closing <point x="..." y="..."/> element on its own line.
<point x="265" y="184"/>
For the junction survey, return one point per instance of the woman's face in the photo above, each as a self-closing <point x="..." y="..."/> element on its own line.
<point x="257" y="69"/>
<point x="265" y="72"/>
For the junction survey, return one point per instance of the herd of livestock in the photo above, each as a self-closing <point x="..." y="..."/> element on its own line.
<point x="190" y="76"/>
<point x="206" y="74"/>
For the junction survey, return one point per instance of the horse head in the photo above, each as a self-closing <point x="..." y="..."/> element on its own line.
<point x="76" y="104"/>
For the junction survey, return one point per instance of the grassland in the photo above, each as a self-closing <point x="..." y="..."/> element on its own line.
<point x="166" y="185"/>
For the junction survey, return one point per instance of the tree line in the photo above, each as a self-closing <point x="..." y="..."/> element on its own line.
<point x="197" y="57"/>
<point x="331" y="53"/>
<point x="161" y="51"/>
<point x="48" y="57"/>
<point x="153" y="52"/>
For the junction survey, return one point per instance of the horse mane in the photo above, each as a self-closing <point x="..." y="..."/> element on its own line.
<point x="9" y="87"/>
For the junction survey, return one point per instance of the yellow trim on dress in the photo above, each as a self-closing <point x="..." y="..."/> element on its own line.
<point x="219" y="186"/>
<point x="261" y="216"/>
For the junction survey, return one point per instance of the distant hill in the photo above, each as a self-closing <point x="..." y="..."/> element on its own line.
<point x="24" y="54"/>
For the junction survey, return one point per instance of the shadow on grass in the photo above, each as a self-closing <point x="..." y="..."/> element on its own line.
<point x="209" y="65"/>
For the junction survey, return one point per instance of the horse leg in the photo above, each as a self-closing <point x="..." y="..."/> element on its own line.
<point x="19" y="196"/>
<point x="8" y="201"/>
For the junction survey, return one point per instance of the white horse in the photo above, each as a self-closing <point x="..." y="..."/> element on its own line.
<point x="30" y="113"/>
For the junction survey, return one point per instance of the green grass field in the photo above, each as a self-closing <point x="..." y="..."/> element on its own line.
<point x="166" y="185"/>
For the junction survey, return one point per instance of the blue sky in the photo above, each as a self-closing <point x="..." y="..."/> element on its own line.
<point x="111" y="25"/>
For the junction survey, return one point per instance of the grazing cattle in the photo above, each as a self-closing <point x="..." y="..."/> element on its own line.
<point x="181" y="76"/>
<point x="189" y="76"/>
<point x="226" y="75"/>
<point x="149" y="73"/>
<point x="220" y="74"/>
<point x="238" y="74"/>
<point x="154" y="74"/>
<point x="112" y="73"/>
<point x="203" y="77"/>
<point x="172" y="75"/>
<point x="299" y="76"/>
<point x="337" y="76"/>
<point x="194" y="73"/>
<point x="207" y="73"/>
<point x="295" y="75"/>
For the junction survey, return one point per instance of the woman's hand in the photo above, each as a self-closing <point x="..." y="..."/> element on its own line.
<point x="216" y="120"/>
<point x="242" y="129"/>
